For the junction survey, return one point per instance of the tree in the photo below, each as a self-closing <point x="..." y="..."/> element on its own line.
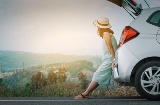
<point x="62" y="76"/>
<point x="38" y="80"/>
<point x="83" y="80"/>
<point x="52" y="77"/>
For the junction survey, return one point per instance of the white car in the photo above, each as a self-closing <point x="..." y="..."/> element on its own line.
<point x="138" y="54"/>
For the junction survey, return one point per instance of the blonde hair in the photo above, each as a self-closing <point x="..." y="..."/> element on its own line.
<point x="102" y="30"/>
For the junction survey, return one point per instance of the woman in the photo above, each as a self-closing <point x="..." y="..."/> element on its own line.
<point x="109" y="44"/>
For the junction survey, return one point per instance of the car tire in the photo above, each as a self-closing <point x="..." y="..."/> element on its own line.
<point x="147" y="80"/>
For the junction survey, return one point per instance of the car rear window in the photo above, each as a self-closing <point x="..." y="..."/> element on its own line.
<point x="154" y="18"/>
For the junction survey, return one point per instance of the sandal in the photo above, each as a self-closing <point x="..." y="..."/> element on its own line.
<point x="81" y="96"/>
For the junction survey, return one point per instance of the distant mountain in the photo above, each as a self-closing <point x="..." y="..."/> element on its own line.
<point x="16" y="59"/>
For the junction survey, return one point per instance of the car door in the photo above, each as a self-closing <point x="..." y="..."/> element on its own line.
<point x="158" y="36"/>
<point x="154" y="19"/>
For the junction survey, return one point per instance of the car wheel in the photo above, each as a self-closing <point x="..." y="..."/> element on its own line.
<point x="147" y="80"/>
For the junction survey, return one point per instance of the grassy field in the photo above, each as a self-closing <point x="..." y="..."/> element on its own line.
<point x="57" y="80"/>
<point x="66" y="89"/>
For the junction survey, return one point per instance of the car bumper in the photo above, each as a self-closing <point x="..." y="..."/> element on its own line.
<point x="116" y="73"/>
<point x="125" y="62"/>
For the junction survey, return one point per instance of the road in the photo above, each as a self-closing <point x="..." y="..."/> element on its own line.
<point x="71" y="101"/>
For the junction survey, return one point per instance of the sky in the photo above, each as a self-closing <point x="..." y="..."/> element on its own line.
<point x="57" y="26"/>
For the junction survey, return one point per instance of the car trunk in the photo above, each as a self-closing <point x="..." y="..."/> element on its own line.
<point x="134" y="7"/>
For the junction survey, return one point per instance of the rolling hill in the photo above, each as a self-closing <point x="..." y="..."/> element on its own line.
<point x="15" y="59"/>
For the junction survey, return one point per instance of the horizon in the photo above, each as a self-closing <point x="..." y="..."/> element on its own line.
<point x="52" y="53"/>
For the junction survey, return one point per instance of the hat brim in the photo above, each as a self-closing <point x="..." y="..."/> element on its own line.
<point x="100" y="26"/>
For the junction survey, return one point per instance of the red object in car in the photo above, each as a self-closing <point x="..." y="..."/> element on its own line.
<point x="127" y="34"/>
<point x="133" y="2"/>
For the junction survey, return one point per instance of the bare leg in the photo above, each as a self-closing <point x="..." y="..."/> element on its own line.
<point x="93" y="85"/>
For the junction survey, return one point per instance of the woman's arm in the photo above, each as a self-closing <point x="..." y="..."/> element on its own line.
<point x="108" y="40"/>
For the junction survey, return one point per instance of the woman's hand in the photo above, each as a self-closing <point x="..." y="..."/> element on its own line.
<point x="113" y="64"/>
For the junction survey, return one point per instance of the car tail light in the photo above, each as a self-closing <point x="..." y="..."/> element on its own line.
<point x="127" y="34"/>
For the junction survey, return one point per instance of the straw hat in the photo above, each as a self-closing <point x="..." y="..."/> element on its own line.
<point x="102" y="22"/>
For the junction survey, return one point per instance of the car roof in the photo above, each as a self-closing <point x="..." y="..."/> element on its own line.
<point x="151" y="9"/>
